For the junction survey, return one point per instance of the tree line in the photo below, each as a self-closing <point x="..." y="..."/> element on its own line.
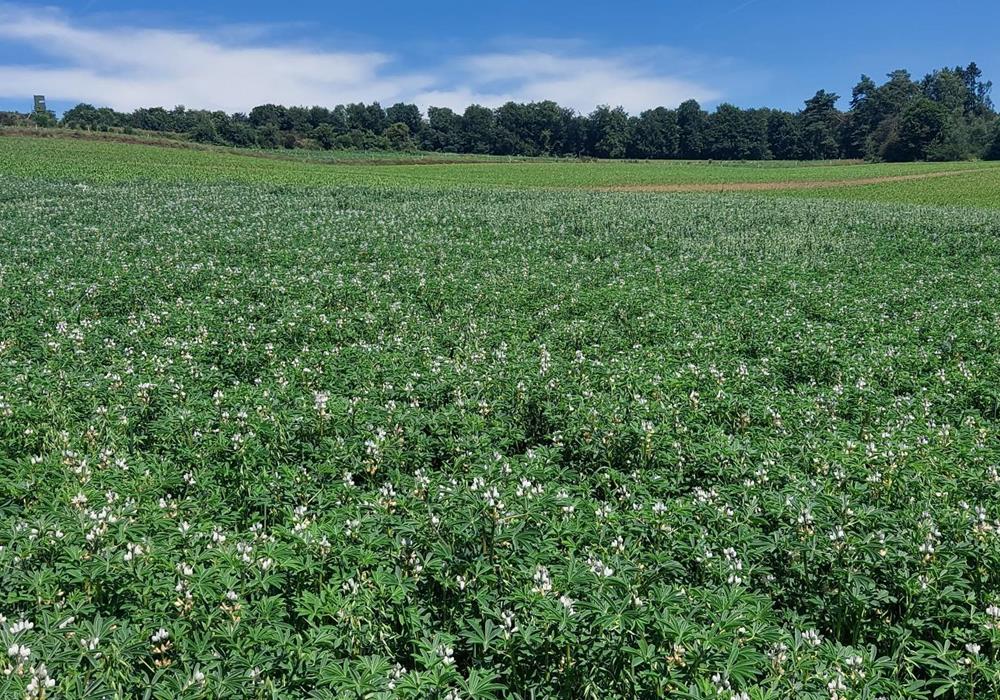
<point x="946" y="115"/>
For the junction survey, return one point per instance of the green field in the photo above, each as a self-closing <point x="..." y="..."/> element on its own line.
<point x="272" y="429"/>
<point x="610" y="174"/>
<point x="971" y="189"/>
<point x="179" y="140"/>
<point x="97" y="161"/>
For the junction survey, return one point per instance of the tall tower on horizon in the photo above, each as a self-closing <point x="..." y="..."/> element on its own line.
<point x="40" y="104"/>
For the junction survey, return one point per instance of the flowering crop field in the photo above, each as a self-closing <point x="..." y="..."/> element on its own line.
<point x="270" y="439"/>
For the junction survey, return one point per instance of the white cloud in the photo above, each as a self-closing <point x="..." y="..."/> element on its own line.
<point x="128" y="67"/>
<point x="583" y="82"/>
<point x="578" y="81"/>
<point x="459" y="98"/>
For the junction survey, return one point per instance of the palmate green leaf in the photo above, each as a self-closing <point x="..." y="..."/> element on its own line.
<point x="481" y="685"/>
<point x="414" y="684"/>
<point x="482" y="634"/>
<point x="643" y="653"/>
<point x="743" y="664"/>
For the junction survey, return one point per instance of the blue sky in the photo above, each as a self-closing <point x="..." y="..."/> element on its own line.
<point x="233" y="54"/>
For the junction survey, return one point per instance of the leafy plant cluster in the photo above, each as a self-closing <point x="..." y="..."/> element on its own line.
<point x="271" y="441"/>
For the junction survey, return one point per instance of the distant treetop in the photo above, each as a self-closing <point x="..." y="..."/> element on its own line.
<point x="948" y="115"/>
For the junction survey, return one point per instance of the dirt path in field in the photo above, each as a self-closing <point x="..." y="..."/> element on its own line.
<point x="788" y="185"/>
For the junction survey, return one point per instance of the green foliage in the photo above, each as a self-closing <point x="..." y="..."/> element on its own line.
<point x="691" y="120"/>
<point x="204" y="132"/>
<point x="993" y="149"/>
<point x="975" y="188"/>
<point x="325" y="136"/>
<point x="943" y="117"/>
<point x="609" y="132"/>
<point x="46" y="120"/>
<point x="884" y="122"/>
<point x="397" y="137"/>
<point x="737" y="134"/>
<point x="821" y="122"/>
<point x="921" y="124"/>
<point x="784" y="136"/>
<point x="114" y="162"/>
<point x="655" y="134"/>
<point x="479" y="129"/>
<point x="268" y="437"/>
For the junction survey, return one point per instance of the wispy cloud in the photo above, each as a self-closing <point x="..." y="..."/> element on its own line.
<point x="127" y="67"/>
<point x="631" y="80"/>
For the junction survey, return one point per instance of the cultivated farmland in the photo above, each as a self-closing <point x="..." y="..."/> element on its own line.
<point x="275" y="429"/>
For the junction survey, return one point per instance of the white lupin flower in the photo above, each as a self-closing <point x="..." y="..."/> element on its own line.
<point x="543" y="584"/>
<point x="397" y="672"/>
<point x="545" y="360"/>
<point x="133" y="551"/>
<point x="599" y="567"/>
<point x="19" y="652"/>
<point x="507" y="621"/>
<point x="812" y="637"/>
<point x="21" y="626"/>
<point x="836" y="686"/>
<point x="447" y="655"/>
<point x="39" y="683"/>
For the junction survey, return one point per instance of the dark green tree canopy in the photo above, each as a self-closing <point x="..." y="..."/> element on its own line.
<point x="946" y="115"/>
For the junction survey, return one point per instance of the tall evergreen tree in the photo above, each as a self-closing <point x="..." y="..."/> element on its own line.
<point x="821" y="126"/>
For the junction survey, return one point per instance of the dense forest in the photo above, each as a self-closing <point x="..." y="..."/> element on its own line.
<point x="947" y="115"/>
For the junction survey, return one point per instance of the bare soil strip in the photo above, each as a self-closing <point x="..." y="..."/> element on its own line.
<point x="788" y="185"/>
